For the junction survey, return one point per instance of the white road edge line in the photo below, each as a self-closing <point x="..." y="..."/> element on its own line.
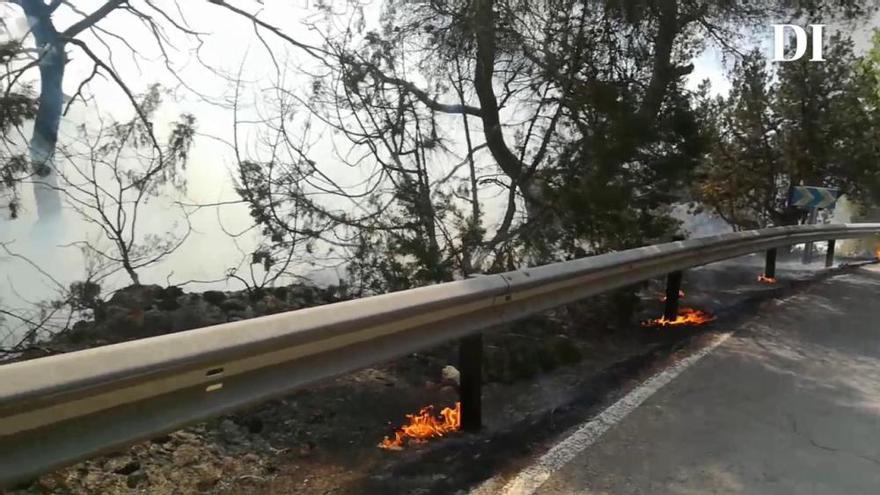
<point x="530" y="479"/>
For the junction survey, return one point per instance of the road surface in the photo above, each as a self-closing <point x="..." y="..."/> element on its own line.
<point x="790" y="403"/>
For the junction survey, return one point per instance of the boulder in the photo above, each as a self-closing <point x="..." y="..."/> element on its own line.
<point x="136" y="296"/>
<point x="451" y="375"/>
<point x="214" y="297"/>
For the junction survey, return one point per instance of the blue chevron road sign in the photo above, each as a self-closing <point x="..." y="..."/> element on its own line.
<point x="812" y="197"/>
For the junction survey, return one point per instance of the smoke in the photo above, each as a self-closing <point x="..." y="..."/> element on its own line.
<point x="699" y="224"/>
<point x="846" y="211"/>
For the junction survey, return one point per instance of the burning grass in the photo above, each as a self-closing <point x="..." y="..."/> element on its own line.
<point x="686" y="316"/>
<point x="424" y="426"/>
<point x="766" y="280"/>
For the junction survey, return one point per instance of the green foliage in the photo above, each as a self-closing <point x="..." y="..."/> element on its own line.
<point x="18" y="104"/>
<point x="610" y="190"/>
<point x="84" y="295"/>
<point x="805" y="123"/>
<point x="577" y="117"/>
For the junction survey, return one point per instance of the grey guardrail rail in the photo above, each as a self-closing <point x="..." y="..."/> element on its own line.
<point x="59" y="409"/>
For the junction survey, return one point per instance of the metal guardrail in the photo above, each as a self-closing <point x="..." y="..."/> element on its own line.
<point x="59" y="409"/>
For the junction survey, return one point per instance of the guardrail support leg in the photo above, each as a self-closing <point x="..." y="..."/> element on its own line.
<point x="829" y="254"/>
<point x="470" y="363"/>
<point x="770" y="264"/>
<point x="808" y="247"/>
<point x="808" y="253"/>
<point x="673" y="286"/>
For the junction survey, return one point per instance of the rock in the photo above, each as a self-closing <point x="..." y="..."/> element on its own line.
<point x="451" y="375"/>
<point x="121" y="323"/>
<point x="185" y="455"/>
<point x="368" y="375"/>
<point x="207" y="484"/>
<point x="185" y="437"/>
<point x="116" y="462"/>
<point x="136" y="478"/>
<point x="269" y="305"/>
<point x="157" y="322"/>
<point x="136" y="296"/>
<point x="229" y="428"/>
<point x="302" y="296"/>
<point x="129" y="468"/>
<point x="171" y="292"/>
<point x="167" y="304"/>
<point x="161" y="440"/>
<point x="199" y="314"/>
<point x="214" y="297"/>
<point x="208" y="475"/>
<point x="307" y="448"/>
<point x="334" y="293"/>
<point x="233" y="305"/>
<point x="82" y="331"/>
<point x="281" y="292"/>
<point x="240" y="315"/>
<point x="112" y="314"/>
<point x="256" y="294"/>
<point x="254" y="425"/>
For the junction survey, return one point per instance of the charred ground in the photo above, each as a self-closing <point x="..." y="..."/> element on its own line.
<point x="543" y="376"/>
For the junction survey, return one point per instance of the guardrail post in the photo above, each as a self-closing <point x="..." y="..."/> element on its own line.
<point x="829" y="254"/>
<point x="770" y="264"/>
<point x="470" y="389"/>
<point x="673" y="286"/>
<point x="808" y="253"/>
<point x="808" y="247"/>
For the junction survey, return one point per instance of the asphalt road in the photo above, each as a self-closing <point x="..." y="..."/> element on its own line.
<point x="790" y="403"/>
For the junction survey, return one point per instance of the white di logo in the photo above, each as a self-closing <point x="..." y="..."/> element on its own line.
<point x="800" y="38"/>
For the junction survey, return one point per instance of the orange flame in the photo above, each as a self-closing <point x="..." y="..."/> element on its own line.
<point x="766" y="280"/>
<point x="877" y="253"/>
<point x="686" y="316"/>
<point x="424" y="426"/>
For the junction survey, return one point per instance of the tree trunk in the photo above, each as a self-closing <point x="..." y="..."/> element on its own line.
<point x="50" y="105"/>
<point x="484" y="22"/>
<point x="126" y="264"/>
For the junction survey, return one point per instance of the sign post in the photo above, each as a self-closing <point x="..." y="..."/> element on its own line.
<point x="808" y="247"/>
<point x="812" y="199"/>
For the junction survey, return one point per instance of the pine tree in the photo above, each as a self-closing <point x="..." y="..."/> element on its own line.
<point x="796" y="123"/>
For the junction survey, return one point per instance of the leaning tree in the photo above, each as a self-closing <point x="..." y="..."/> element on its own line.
<point x="487" y="133"/>
<point x="90" y="35"/>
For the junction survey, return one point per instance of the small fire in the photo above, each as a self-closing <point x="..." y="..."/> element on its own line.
<point x="686" y="316"/>
<point x="766" y="280"/>
<point x="877" y="253"/>
<point x="424" y="426"/>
